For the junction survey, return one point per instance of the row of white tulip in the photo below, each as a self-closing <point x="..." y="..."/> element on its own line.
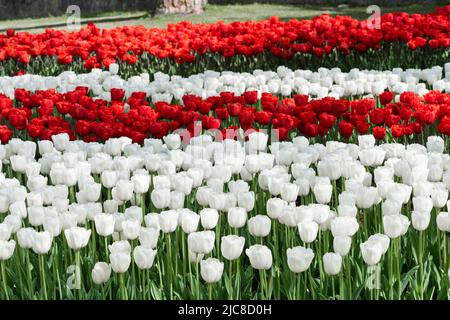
<point x="303" y="213"/>
<point x="285" y="82"/>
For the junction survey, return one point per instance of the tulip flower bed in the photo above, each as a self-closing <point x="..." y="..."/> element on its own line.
<point x="229" y="219"/>
<point x="125" y="182"/>
<point x="417" y="40"/>
<point x="42" y="114"/>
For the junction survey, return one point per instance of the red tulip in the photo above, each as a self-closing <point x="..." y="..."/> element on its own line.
<point x="379" y="132"/>
<point x="345" y="129"/>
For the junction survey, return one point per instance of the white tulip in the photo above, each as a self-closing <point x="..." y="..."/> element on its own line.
<point x="371" y="252"/>
<point x="77" y="237"/>
<point x="144" y="257"/>
<point x="332" y="263"/>
<point x="299" y="258"/>
<point x="443" y="221"/>
<point x="342" y="244"/>
<point x="6" y="249"/>
<point x="189" y="221"/>
<point x="209" y="218"/>
<point x="42" y="242"/>
<point x="101" y="273"/>
<point x="211" y="270"/>
<point x="275" y="207"/>
<point x="168" y="221"/>
<point x="131" y="229"/>
<point x="160" y="198"/>
<point x="260" y="257"/>
<point x="201" y="241"/>
<point x="420" y="220"/>
<point x="122" y="246"/>
<point x="148" y="237"/>
<point x="308" y="231"/>
<point x="237" y="217"/>
<point x="232" y="246"/>
<point x="259" y="226"/>
<point x="104" y="224"/>
<point x="120" y="262"/>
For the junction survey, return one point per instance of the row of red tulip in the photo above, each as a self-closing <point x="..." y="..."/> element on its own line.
<point x="185" y="42"/>
<point x="44" y="113"/>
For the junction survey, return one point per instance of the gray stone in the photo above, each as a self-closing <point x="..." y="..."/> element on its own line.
<point x="180" y="6"/>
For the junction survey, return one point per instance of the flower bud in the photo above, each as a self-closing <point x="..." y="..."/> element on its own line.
<point x="168" y="221"/>
<point x="259" y="226"/>
<point x="275" y="207"/>
<point x="443" y="221"/>
<point x="237" y="217"/>
<point x="104" y="224"/>
<point x="232" y="246"/>
<point x="201" y="241"/>
<point x="332" y="263"/>
<point x="189" y="221"/>
<point x="42" y="242"/>
<point x="260" y="257"/>
<point x="211" y="270"/>
<point x="131" y="228"/>
<point x="299" y="258"/>
<point x="120" y="261"/>
<point x="144" y="257"/>
<point x="420" y="220"/>
<point x="308" y="231"/>
<point x="101" y="273"/>
<point x="77" y="237"/>
<point x="148" y="237"/>
<point x="342" y="245"/>
<point x="6" y="249"/>
<point x="209" y="218"/>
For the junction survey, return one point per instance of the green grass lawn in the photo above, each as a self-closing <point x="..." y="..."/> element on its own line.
<point x="227" y="13"/>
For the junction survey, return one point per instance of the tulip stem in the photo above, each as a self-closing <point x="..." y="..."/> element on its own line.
<point x="398" y="243"/>
<point x="78" y="272"/>
<point x="124" y="295"/>
<point x="30" y="279"/>
<point x="143" y="205"/>
<point x="390" y="272"/>
<point x="341" y="286"/>
<point x="191" y="280"/>
<point x="333" y="288"/>
<point x="5" y="288"/>
<point x="170" y="264"/>
<point x="210" y="292"/>
<point x="133" y="274"/>
<point x="262" y="284"/>
<point x="55" y="263"/>
<point x="420" y="257"/>
<point x="72" y="194"/>
<point x="445" y="265"/>
<point x="230" y="275"/>
<point x="43" y="281"/>
<point x="238" y="278"/>
<point x="218" y="233"/>
<point x="17" y="263"/>
<point x="102" y="289"/>
<point x="105" y="239"/>
<point x="198" y="279"/>
<point x="311" y="279"/>
<point x="183" y="252"/>
<point x="305" y="285"/>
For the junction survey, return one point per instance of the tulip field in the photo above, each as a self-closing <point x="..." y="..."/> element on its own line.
<point x="269" y="160"/>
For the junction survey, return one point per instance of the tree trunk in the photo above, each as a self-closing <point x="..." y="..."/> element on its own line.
<point x="180" y="6"/>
